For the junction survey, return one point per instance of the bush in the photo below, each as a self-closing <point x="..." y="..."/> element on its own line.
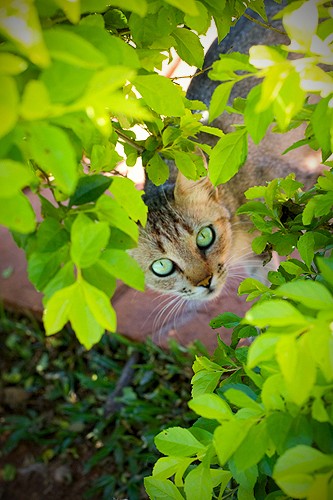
<point x="91" y="67"/>
<point x="266" y="411"/>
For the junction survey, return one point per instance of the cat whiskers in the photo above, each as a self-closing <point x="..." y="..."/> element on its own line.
<point x="171" y="313"/>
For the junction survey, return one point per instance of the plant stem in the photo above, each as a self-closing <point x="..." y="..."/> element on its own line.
<point x="264" y="25"/>
<point x="134" y="144"/>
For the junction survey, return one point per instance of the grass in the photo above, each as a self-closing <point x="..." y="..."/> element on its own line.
<point x="105" y="405"/>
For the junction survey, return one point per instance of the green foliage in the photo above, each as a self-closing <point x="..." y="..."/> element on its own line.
<point x="281" y="97"/>
<point x="266" y="410"/>
<point x="92" y="67"/>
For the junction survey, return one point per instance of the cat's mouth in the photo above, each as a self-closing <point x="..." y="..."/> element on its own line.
<point x="206" y="294"/>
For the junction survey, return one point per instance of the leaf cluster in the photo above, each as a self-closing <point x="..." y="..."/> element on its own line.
<point x="75" y="78"/>
<point x="287" y="75"/>
<point x="266" y="409"/>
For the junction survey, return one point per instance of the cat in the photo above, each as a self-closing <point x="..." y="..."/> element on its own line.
<point x="193" y="235"/>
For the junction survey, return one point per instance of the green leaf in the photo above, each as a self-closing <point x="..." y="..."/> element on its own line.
<point x="9" y="100"/>
<point x="129" y="198"/>
<point x="262" y="349"/>
<point x="51" y="236"/>
<point x="157" y="170"/>
<point x="137" y="6"/>
<point x="62" y="279"/>
<point x="275" y="313"/>
<point x="189" y="7"/>
<point x="25" y="32"/>
<point x="64" y="84"/>
<point x="66" y="46"/>
<point x="88" y="239"/>
<point x="11" y="64"/>
<point x="253" y="448"/>
<point x="238" y="398"/>
<point x="17" y="214"/>
<point x="188" y="46"/>
<point x="89" y="188"/>
<point x="105" y="158"/>
<point x="273" y="396"/>
<point x="326" y="268"/>
<point x="13" y="177"/>
<point x="320" y="343"/>
<point x="51" y="148"/>
<point x="228" y="320"/>
<point x="35" y="90"/>
<point x="198" y="22"/>
<point x="177" y="441"/>
<point x="219" y="100"/>
<point x="289" y="101"/>
<point x="160" y="94"/>
<point x="87" y="308"/>
<point x="298" y="368"/>
<point x="301" y="25"/>
<point x="211" y="406"/>
<point x="123" y="266"/>
<point x="259" y="244"/>
<point x="110" y="211"/>
<point x="100" y="277"/>
<point x="42" y="266"/>
<point x="278" y="426"/>
<point x="228" y="64"/>
<point x="305" y="246"/>
<point x="229" y="436"/>
<point x="198" y="484"/>
<point x="256" y="207"/>
<point x="161" y="489"/>
<point x="321" y="121"/>
<point x="114" y="49"/>
<point x="71" y="9"/>
<point x="57" y="309"/>
<point x="250" y="285"/>
<point x="263" y="56"/>
<point x="227" y="156"/>
<point x="204" y="382"/>
<point x="256" y="122"/>
<point x="312" y="294"/>
<point x="166" y="467"/>
<point x="293" y="469"/>
<point x="99" y="305"/>
<point x="185" y="164"/>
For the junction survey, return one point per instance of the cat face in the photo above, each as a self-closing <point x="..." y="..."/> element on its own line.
<point x="186" y="244"/>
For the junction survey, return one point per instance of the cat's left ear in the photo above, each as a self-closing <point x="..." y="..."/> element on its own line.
<point x="200" y="189"/>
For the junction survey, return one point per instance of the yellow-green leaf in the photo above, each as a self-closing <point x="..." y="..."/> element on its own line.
<point x="13" y="177"/>
<point x="20" y="23"/>
<point x="9" y="99"/>
<point x="17" y="214"/>
<point x="11" y="64"/>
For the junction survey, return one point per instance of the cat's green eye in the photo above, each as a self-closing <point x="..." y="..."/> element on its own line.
<point x="163" y="267"/>
<point x="205" y="237"/>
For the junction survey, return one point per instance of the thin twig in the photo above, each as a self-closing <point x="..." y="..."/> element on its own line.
<point x="200" y="72"/>
<point x="126" y="377"/>
<point x="264" y="25"/>
<point x="134" y="144"/>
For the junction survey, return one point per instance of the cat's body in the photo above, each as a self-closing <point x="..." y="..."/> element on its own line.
<point x="193" y="235"/>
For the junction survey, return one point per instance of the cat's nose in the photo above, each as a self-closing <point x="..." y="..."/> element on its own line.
<point x="206" y="281"/>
